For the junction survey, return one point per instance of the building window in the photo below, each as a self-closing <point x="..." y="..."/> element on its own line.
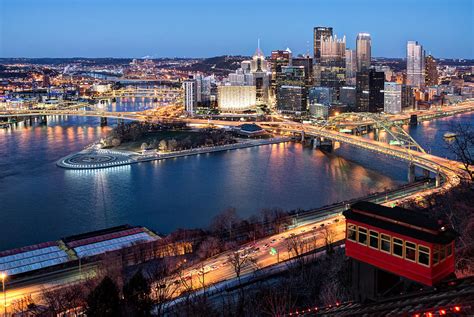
<point x="362" y="237"/>
<point x="373" y="239"/>
<point x="398" y="247"/>
<point x="385" y="243"/>
<point x="410" y="251"/>
<point x="435" y="255"/>
<point x="449" y="250"/>
<point x="423" y="255"/>
<point x="351" y="232"/>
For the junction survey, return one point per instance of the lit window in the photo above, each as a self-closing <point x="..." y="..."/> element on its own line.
<point x="398" y="247"/>
<point x="374" y="239"/>
<point x="362" y="237"/>
<point x="410" y="251"/>
<point x="449" y="250"/>
<point x="435" y="255"/>
<point x="385" y="243"/>
<point x="351" y="232"/>
<point x="424" y="255"/>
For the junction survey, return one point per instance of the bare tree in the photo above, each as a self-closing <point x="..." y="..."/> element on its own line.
<point x="224" y="223"/>
<point x="273" y="301"/>
<point x="209" y="247"/>
<point x="70" y="297"/>
<point x="328" y="235"/>
<point x="26" y="307"/>
<point x="462" y="146"/>
<point x="163" y="286"/>
<point x="239" y="262"/>
<point x="296" y="246"/>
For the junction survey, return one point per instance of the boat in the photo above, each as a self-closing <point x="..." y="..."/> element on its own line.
<point x="450" y="135"/>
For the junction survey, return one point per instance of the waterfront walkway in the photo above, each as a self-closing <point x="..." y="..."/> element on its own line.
<point x="104" y="158"/>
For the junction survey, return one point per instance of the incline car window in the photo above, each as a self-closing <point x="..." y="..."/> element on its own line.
<point x="362" y="236"/>
<point x="351" y="232"/>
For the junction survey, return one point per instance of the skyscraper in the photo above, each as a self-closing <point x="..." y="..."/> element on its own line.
<point x="279" y="59"/>
<point x="292" y="77"/>
<point x="351" y="67"/>
<point x="307" y="63"/>
<point x="363" y="48"/>
<point x="369" y="91"/>
<point x="190" y="95"/>
<point x="291" y="99"/>
<point x="415" y="64"/>
<point x="431" y="76"/>
<point x="331" y="69"/>
<point x="392" y="93"/>
<point x="320" y="32"/>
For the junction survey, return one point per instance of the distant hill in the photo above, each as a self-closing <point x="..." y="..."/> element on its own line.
<point x="219" y="65"/>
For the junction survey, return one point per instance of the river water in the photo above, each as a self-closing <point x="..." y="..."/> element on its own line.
<point x="41" y="202"/>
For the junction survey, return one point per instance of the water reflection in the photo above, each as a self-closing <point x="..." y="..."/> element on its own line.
<point x="42" y="202"/>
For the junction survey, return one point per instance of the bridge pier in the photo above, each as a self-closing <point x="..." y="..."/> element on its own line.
<point x="324" y="144"/>
<point x="376" y="134"/>
<point x="103" y="121"/>
<point x="438" y="179"/>
<point x="302" y="136"/>
<point x="44" y="119"/>
<point x="411" y="173"/>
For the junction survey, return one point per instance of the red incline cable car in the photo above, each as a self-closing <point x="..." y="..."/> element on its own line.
<point x="400" y="241"/>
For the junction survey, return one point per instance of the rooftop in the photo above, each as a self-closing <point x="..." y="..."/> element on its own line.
<point x="402" y="221"/>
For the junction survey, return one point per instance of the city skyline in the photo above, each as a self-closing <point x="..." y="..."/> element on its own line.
<point x="210" y="28"/>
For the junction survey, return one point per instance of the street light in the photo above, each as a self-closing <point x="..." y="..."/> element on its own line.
<point x="3" y="276"/>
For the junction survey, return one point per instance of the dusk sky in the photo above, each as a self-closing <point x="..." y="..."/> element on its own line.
<point x="202" y="28"/>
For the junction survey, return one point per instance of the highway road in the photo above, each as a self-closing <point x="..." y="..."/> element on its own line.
<point x="259" y="254"/>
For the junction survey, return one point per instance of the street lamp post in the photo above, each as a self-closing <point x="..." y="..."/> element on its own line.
<point x="3" y="276"/>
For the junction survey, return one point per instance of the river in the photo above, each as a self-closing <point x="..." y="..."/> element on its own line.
<point x="41" y="202"/>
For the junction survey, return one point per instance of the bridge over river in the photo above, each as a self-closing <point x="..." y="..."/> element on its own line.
<point x="401" y="146"/>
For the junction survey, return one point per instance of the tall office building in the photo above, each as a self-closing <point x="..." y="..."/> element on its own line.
<point x="320" y="95"/>
<point x="347" y="96"/>
<point x="369" y="91"/>
<point x="392" y="94"/>
<point x="292" y="77"/>
<point x="331" y="69"/>
<point x="291" y="99"/>
<point x="307" y="63"/>
<point x="190" y="95"/>
<point x="279" y="59"/>
<point x="351" y="67"/>
<point x="258" y="62"/>
<point x="319" y="32"/>
<point x="203" y="90"/>
<point x="363" y="51"/>
<point x="415" y="64"/>
<point x="431" y="70"/>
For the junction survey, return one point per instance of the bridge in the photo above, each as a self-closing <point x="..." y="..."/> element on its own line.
<point x="400" y="144"/>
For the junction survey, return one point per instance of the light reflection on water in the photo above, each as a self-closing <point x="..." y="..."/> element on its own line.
<point x="39" y="201"/>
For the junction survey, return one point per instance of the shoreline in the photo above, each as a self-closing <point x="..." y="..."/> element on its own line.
<point x="104" y="158"/>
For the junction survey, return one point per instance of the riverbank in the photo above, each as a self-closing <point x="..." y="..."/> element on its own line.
<point x="104" y="158"/>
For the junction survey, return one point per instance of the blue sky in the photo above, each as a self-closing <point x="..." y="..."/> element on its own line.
<point x="200" y="28"/>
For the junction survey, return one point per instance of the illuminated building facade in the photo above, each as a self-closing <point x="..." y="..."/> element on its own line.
<point x="363" y="51"/>
<point x="415" y="64"/>
<point x="319" y="33"/>
<point x="236" y="98"/>
<point x="431" y="69"/>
